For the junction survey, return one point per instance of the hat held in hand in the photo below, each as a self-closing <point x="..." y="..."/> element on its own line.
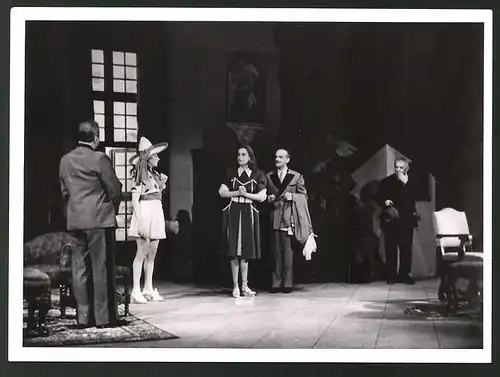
<point x="389" y="214"/>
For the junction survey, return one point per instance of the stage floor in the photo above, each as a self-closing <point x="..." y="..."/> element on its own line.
<point x="329" y="315"/>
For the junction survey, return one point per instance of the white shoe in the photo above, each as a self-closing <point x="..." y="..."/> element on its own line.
<point x="247" y="292"/>
<point x="136" y="297"/>
<point x="153" y="295"/>
<point x="236" y="292"/>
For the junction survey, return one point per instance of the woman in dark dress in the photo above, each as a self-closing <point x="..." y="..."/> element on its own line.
<point x="245" y="185"/>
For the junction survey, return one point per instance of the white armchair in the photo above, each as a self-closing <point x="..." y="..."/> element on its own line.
<point x="453" y="237"/>
<point x="458" y="259"/>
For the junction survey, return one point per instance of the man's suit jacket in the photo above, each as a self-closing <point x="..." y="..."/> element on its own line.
<point x="281" y="210"/>
<point x="90" y="189"/>
<point x="391" y="188"/>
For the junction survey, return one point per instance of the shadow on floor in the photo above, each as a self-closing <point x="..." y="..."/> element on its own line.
<point x="417" y="310"/>
<point x="202" y="293"/>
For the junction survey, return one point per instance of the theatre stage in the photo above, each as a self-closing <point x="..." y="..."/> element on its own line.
<point x="329" y="315"/>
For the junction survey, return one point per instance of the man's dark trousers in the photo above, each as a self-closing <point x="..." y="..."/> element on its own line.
<point x="97" y="263"/>
<point x="398" y="236"/>
<point x="282" y="253"/>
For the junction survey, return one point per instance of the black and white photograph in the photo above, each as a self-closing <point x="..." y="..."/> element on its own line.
<point x="250" y="185"/>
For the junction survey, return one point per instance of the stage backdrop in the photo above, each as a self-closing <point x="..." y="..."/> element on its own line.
<point x="381" y="165"/>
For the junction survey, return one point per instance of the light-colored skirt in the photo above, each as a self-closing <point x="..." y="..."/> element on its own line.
<point x="151" y="211"/>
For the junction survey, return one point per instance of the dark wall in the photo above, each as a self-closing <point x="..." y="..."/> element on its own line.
<point x="417" y="87"/>
<point x="56" y="93"/>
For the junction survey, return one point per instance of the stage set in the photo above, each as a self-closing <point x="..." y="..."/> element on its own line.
<point x="347" y="99"/>
<point x="314" y="316"/>
<point x="330" y="315"/>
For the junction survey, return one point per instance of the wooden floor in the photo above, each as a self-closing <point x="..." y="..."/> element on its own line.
<point x="313" y="316"/>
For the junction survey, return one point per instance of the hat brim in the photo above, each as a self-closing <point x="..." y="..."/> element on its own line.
<point x="389" y="214"/>
<point x="155" y="149"/>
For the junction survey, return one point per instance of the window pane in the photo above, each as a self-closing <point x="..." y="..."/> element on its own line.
<point x="131" y="72"/>
<point x="118" y="57"/>
<point x="119" y="107"/>
<point x="102" y="134"/>
<point x="99" y="118"/>
<point x="129" y="219"/>
<point x="120" y="159"/>
<point x="121" y="234"/>
<point x="118" y="72"/>
<point x="122" y="207"/>
<point x="119" y="135"/>
<point x="131" y="58"/>
<point x="131" y="108"/>
<point x="132" y="122"/>
<point x="120" y="220"/>
<point x="98" y="70"/>
<point x="132" y="135"/>
<point x="99" y="107"/>
<point x="120" y="171"/>
<point x="119" y="121"/>
<point x="131" y="86"/>
<point x="119" y="86"/>
<point x="122" y="181"/>
<point x="97" y="56"/>
<point x="97" y="84"/>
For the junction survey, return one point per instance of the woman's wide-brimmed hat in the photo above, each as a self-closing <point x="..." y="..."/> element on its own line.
<point x="145" y="146"/>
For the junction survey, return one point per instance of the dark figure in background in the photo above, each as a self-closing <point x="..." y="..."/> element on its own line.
<point x="341" y="210"/>
<point x="182" y="258"/>
<point x="334" y="207"/>
<point x="365" y="248"/>
<point x="398" y="220"/>
<point x="92" y="193"/>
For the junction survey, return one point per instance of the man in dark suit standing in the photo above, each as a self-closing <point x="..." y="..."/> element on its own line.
<point x="283" y="184"/>
<point x="91" y="193"/>
<point x="398" y="220"/>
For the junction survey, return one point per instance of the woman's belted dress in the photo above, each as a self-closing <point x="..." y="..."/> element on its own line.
<point x="240" y="219"/>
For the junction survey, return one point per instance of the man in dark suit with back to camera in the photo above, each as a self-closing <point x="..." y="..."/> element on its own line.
<point x="92" y="194"/>
<point x="398" y="220"/>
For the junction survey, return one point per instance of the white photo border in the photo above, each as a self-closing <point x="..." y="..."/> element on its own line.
<point x="19" y="17"/>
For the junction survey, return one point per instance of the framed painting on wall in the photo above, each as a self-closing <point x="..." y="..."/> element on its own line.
<point x="246" y="91"/>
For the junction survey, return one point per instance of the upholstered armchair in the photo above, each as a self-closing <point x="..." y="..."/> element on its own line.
<point x="457" y="257"/>
<point x="47" y="263"/>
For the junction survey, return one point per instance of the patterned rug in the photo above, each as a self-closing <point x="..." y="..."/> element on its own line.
<point x="63" y="331"/>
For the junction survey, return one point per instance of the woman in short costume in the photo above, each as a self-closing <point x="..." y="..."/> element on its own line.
<point x="148" y="221"/>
